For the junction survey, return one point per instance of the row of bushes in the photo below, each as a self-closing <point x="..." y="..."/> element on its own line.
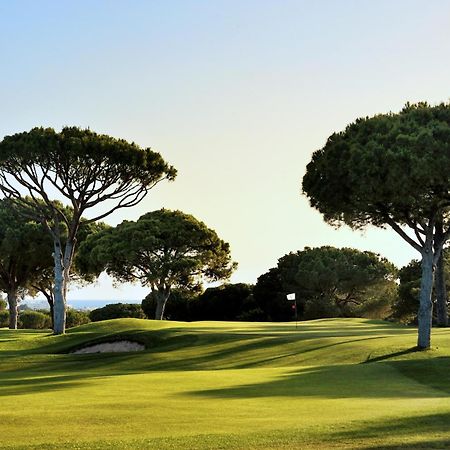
<point x="117" y="311"/>
<point x="41" y="320"/>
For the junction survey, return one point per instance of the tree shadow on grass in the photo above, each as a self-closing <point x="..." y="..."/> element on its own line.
<point x="394" y="379"/>
<point x="405" y="428"/>
<point x="60" y="372"/>
<point x="380" y="380"/>
<point x="433" y="373"/>
<point x="438" y="444"/>
<point x="38" y="385"/>
<point x="392" y="355"/>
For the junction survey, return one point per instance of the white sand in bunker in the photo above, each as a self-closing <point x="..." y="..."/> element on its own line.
<point x="112" y="347"/>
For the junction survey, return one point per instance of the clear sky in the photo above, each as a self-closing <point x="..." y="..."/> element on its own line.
<point x="236" y="94"/>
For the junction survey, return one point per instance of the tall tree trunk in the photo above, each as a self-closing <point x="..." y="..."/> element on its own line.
<point x="62" y="276"/>
<point x="161" y="300"/>
<point x="441" y="293"/>
<point x="59" y="310"/>
<point x="67" y="263"/>
<point x="426" y="306"/>
<point x="13" y="308"/>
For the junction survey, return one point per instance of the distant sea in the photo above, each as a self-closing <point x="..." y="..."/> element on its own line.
<point x="78" y="304"/>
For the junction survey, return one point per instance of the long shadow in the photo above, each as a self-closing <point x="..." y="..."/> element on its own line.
<point x="433" y="372"/>
<point x="61" y="373"/>
<point x="38" y="385"/>
<point x="302" y="352"/>
<point x="405" y="426"/>
<point x="439" y="444"/>
<point x="392" y="355"/>
<point x="235" y="356"/>
<point x="430" y="377"/>
<point x="346" y="381"/>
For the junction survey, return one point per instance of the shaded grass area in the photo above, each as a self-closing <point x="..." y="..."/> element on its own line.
<point x="348" y="383"/>
<point x="399" y="435"/>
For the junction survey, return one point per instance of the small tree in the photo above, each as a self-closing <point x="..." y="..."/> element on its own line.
<point x="391" y="170"/>
<point x="270" y="296"/>
<point x="407" y="304"/>
<point x="25" y="253"/>
<point x="76" y="318"/>
<point x="332" y="282"/>
<point x="92" y="172"/>
<point x="163" y="250"/>
<point x="182" y="305"/>
<point x="226" y="302"/>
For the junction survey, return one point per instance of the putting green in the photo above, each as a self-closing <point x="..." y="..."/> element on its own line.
<point x="335" y="383"/>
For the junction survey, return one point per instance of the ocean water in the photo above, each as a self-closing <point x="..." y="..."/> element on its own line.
<point x="79" y="304"/>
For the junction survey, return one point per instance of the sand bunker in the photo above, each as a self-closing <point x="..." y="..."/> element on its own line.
<point x="111" y="347"/>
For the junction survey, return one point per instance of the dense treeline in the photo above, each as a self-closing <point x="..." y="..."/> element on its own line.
<point x="328" y="282"/>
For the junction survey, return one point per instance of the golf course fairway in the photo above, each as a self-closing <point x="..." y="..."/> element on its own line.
<point x="333" y="383"/>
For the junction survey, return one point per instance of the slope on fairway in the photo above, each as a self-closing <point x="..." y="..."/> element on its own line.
<point x="348" y="383"/>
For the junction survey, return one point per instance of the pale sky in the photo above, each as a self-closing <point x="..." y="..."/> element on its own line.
<point x="236" y="94"/>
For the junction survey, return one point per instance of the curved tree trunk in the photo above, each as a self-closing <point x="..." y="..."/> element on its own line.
<point x="52" y="314"/>
<point x="426" y="306"/>
<point x="59" y="307"/>
<point x="161" y="297"/>
<point x="441" y="293"/>
<point x="51" y="304"/>
<point x="13" y="308"/>
<point x="62" y="276"/>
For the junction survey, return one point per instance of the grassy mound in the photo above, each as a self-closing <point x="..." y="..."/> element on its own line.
<point x="335" y="383"/>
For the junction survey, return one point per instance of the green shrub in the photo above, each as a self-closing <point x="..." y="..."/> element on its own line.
<point x="3" y="304"/>
<point x="225" y="302"/>
<point x="75" y="318"/>
<point x="117" y="311"/>
<point x="252" y="315"/>
<point x="34" y="320"/>
<point x="4" y="319"/>
<point x="319" y="308"/>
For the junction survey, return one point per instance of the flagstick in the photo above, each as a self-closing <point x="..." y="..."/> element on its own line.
<point x="293" y="297"/>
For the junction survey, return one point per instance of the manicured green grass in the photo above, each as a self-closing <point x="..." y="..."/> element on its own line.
<point x="348" y="383"/>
